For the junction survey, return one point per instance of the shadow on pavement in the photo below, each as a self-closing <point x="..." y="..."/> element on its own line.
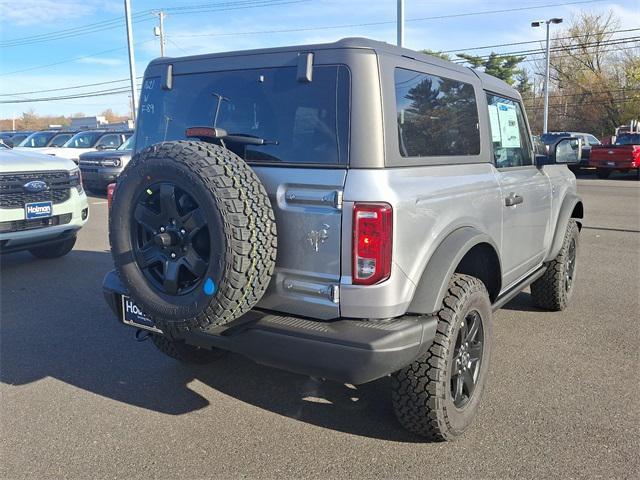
<point x="586" y="174"/>
<point x="56" y="324"/>
<point x="523" y="302"/>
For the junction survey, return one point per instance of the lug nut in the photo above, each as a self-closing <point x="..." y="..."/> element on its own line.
<point x="173" y="254"/>
<point x="162" y="229"/>
<point x="183" y="231"/>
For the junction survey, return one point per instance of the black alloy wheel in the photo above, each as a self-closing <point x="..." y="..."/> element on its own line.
<point x="170" y="239"/>
<point x="467" y="359"/>
<point x="570" y="266"/>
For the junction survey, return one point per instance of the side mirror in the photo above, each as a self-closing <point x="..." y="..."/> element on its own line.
<point x="568" y="151"/>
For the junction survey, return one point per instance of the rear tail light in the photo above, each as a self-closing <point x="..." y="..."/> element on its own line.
<point x="111" y="188"/>
<point x="372" y="241"/>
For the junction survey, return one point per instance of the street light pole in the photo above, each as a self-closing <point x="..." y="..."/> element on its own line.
<point x="545" y="127"/>
<point x="548" y="23"/>
<point x="132" y="61"/>
<point x="400" y="20"/>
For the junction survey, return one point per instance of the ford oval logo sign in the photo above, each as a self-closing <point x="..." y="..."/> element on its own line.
<point x="35" y="186"/>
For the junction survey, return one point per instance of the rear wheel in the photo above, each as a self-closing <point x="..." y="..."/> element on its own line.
<point x="603" y="172"/>
<point x="438" y="395"/>
<point x="54" y="250"/>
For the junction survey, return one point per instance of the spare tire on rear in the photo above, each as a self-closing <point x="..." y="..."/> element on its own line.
<point x="193" y="235"/>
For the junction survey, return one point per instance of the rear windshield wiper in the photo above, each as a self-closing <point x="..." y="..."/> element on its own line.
<point x="248" y="139"/>
<point x="220" y="134"/>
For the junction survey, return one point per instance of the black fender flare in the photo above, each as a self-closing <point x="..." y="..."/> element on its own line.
<point x="442" y="264"/>
<point x="569" y="204"/>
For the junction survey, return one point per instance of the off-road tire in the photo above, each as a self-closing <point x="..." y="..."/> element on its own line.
<point x="421" y="392"/>
<point x="184" y="353"/>
<point x="603" y="173"/>
<point x="238" y="215"/>
<point x="54" y="250"/>
<point x="549" y="291"/>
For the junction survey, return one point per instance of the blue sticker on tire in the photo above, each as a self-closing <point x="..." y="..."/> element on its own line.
<point x="209" y="287"/>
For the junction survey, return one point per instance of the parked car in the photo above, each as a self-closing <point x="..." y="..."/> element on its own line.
<point x="348" y="211"/>
<point x="89" y="141"/>
<point x="5" y="137"/>
<point x="42" y="203"/>
<point x="11" y="139"/>
<point x="623" y="156"/>
<point x="588" y="141"/>
<point x="100" y="168"/>
<point x="46" y="138"/>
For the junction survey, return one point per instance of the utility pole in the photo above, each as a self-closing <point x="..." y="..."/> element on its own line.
<point x="400" y="19"/>
<point x="159" y="31"/>
<point x="546" y="71"/>
<point x="132" y="61"/>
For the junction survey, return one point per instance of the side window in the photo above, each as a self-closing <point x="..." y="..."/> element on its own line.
<point x="113" y="140"/>
<point x="436" y="116"/>
<point x="592" y="140"/>
<point x="509" y="135"/>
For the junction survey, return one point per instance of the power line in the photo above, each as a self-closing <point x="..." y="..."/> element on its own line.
<point x="562" y="105"/>
<point x="117" y="22"/>
<point x="534" y="41"/>
<point x="66" y="88"/>
<point x="611" y="50"/>
<point x="625" y="90"/>
<point x="115" y="91"/>
<point x="615" y="41"/>
<point x="373" y="24"/>
<point x="69" y="60"/>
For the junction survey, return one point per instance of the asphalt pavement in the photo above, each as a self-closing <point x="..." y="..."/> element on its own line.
<point x="81" y="398"/>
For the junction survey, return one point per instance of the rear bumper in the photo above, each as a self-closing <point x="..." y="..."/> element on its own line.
<point x="614" y="164"/>
<point x="350" y="351"/>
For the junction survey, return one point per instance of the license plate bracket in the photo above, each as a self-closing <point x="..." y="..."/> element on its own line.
<point x="35" y="210"/>
<point x="133" y="316"/>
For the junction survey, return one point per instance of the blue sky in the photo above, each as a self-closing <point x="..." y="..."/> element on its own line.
<point x="31" y="65"/>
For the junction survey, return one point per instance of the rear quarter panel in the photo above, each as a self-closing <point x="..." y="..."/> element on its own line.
<point x="429" y="202"/>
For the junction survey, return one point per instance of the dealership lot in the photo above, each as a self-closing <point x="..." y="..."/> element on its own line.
<point x="81" y="398"/>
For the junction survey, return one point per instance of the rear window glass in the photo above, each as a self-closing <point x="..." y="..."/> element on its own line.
<point x="436" y="116"/>
<point x="60" y="139"/>
<point x="628" y="139"/>
<point x="303" y="123"/>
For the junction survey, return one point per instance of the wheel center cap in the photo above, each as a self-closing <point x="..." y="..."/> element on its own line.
<point x="167" y="239"/>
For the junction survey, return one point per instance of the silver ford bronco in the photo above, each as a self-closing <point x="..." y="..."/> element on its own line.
<point x="347" y="211"/>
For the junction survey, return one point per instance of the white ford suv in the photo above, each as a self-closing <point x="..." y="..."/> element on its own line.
<point x="42" y="203"/>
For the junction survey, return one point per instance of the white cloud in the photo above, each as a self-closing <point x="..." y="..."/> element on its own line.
<point x="32" y="12"/>
<point x="110" y="62"/>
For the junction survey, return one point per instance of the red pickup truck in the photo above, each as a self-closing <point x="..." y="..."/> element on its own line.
<point x="623" y="155"/>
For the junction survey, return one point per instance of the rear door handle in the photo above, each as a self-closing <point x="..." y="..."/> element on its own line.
<point x="513" y="199"/>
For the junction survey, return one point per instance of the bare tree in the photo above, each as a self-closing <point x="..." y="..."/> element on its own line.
<point x="595" y="75"/>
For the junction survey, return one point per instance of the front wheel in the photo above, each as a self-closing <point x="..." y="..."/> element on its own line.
<point x="438" y="395"/>
<point x="55" y="250"/>
<point x="553" y="290"/>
